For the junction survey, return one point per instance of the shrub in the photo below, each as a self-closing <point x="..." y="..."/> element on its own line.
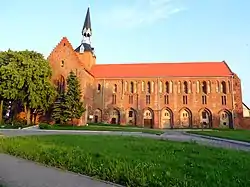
<point x="44" y="126"/>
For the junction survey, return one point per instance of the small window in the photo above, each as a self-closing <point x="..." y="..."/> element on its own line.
<point x="98" y="87"/>
<point x="130" y="114"/>
<point x="62" y="63"/>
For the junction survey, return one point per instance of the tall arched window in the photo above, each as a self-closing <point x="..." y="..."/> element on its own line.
<point x="126" y="86"/>
<point x="179" y="87"/>
<point x="115" y="88"/>
<point x="61" y="85"/>
<point x="185" y="87"/>
<point x="217" y="86"/>
<point x="171" y="87"/>
<point x="99" y="87"/>
<point x="131" y="87"/>
<point x="223" y="87"/>
<point x="208" y="86"/>
<point x="152" y="86"/>
<point x="204" y="87"/>
<point x="189" y="87"/>
<point x="167" y="87"/>
<point x="160" y="87"/>
<point x="198" y="87"/>
<point x="148" y="87"/>
<point x="142" y="86"/>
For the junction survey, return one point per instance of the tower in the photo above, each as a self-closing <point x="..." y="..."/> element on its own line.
<point x="86" y="36"/>
<point x="85" y="51"/>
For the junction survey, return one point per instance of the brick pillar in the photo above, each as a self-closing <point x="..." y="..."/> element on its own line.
<point x="156" y="119"/>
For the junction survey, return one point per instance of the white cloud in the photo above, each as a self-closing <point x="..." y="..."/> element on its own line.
<point x="141" y="12"/>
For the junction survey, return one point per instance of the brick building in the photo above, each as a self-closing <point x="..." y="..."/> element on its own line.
<point x="157" y="95"/>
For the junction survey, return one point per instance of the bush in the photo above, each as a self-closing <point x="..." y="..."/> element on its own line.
<point x="44" y="126"/>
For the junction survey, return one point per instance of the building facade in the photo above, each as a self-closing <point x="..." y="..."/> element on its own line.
<point x="154" y="95"/>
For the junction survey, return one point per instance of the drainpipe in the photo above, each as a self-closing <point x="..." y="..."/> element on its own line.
<point x="232" y="93"/>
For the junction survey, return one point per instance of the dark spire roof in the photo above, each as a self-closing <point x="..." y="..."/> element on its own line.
<point x="87" y="22"/>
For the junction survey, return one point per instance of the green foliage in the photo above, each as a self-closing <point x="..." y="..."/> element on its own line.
<point x="72" y="102"/>
<point x="133" y="161"/>
<point x="44" y="126"/>
<point x="102" y="127"/>
<point x="69" y="105"/>
<point x="240" y="135"/>
<point x="25" y="77"/>
<point x="58" y="109"/>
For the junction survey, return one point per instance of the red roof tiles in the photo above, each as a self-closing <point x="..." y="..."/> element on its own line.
<point x="191" y="69"/>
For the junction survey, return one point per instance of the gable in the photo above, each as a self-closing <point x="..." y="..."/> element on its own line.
<point x="63" y="58"/>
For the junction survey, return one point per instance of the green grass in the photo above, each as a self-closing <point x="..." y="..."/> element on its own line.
<point x="132" y="161"/>
<point x="102" y="127"/>
<point x="241" y="135"/>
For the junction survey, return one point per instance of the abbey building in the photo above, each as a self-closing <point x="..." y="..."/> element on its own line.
<point x="155" y="95"/>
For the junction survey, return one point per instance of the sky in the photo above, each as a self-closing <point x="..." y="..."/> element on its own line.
<point x="136" y="30"/>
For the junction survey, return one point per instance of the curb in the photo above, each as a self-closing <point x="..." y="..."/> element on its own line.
<point x="30" y="127"/>
<point x="219" y="139"/>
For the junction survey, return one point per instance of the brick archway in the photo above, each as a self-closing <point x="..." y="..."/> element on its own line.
<point x="148" y="118"/>
<point x="185" y="116"/>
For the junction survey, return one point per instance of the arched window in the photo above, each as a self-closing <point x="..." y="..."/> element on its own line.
<point x="132" y="87"/>
<point x="190" y="87"/>
<point x="160" y="87"/>
<point x="208" y="87"/>
<point x="179" y="87"/>
<point x="99" y="87"/>
<point x="152" y="86"/>
<point x="204" y="87"/>
<point x="126" y="86"/>
<point x="217" y="86"/>
<point x="142" y="86"/>
<point x="223" y="87"/>
<point x="171" y="87"/>
<point x="198" y="87"/>
<point x="185" y="87"/>
<point x="148" y="87"/>
<point x="61" y="85"/>
<point x="115" y="88"/>
<point x="167" y="87"/>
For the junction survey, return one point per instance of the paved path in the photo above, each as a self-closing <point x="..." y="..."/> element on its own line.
<point x="15" y="172"/>
<point x="168" y="135"/>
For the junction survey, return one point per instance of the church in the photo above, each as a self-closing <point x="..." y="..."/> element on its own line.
<point x="152" y="95"/>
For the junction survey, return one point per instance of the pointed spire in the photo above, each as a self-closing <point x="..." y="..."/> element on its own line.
<point x="86" y="30"/>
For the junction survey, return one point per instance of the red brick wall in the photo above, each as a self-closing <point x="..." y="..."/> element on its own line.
<point x="81" y="63"/>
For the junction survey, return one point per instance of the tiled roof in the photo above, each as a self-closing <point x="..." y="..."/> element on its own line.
<point x="190" y="69"/>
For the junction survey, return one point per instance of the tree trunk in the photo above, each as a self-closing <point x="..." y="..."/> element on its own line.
<point x="1" y="111"/>
<point x="28" y="115"/>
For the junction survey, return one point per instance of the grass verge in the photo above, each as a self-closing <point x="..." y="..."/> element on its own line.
<point x="240" y="135"/>
<point x="132" y="161"/>
<point x="102" y="128"/>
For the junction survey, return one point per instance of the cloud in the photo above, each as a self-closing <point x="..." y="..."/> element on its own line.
<point x="140" y="13"/>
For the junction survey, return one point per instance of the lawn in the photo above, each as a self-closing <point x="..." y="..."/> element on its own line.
<point x="132" y="161"/>
<point x="103" y="127"/>
<point x="241" y="135"/>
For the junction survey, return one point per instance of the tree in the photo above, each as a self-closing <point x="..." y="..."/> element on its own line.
<point x="58" y="109"/>
<point x="72" y="105"/>
<point x="25" y="76"/>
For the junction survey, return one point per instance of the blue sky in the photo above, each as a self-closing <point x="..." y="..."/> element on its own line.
<point x="136" y="30"/>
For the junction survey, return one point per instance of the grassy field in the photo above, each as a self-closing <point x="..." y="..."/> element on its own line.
<point x="102" y="127"/>
<point x="132" y="161"/>
<point x="241" y="135"/>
